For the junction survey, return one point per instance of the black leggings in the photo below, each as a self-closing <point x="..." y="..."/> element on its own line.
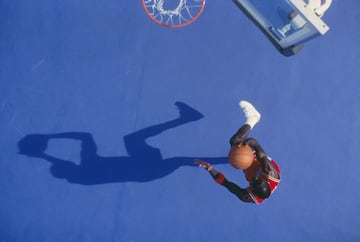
<point x="241" y="136"/>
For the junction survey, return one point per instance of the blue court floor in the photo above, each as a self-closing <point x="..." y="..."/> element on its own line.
<point x="102" y="113"/>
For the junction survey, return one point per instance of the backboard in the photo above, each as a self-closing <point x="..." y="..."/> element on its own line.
<point x="287" y="23"/>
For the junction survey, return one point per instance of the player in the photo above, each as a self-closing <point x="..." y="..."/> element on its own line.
<point x="263" y="175"/>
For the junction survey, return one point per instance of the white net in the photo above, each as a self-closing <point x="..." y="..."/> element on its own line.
<point x="182" y="13"/>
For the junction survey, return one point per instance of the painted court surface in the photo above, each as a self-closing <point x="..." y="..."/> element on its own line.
<point x="94" y="146"/>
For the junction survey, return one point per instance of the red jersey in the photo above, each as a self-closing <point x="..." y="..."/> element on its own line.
<point x="254" y="170"/>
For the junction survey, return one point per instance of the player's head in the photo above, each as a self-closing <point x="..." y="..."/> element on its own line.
<point x="261" y="187"/>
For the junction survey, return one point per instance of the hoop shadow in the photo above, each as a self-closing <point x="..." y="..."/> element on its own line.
<point x="144" y="163"/>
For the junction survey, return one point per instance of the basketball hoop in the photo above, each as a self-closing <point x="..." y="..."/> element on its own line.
<point x="184" y="13"/>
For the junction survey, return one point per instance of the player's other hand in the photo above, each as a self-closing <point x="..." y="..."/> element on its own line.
<point x="204" y="165"/>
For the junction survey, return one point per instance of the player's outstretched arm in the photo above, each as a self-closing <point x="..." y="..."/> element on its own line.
<point x="204" y="165"/>
<point x="219" y="178"/>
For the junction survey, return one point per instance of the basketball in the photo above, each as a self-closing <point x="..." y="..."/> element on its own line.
<point x="241" y="157"/>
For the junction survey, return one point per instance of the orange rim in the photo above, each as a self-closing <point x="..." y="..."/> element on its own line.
<point x="151" y="16"/>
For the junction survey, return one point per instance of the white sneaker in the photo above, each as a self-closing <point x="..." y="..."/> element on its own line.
<point x="251" y="114"/>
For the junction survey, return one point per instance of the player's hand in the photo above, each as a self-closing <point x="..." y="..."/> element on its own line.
<point x="204" y="165"/>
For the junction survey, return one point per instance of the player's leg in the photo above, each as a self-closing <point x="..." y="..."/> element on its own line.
<point x="251" y="114"/>
<point x="252" y="117"/>
<point x="241" y="135"/>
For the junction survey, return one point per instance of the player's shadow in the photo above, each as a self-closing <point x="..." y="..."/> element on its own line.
<point x="143" y="163"/>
